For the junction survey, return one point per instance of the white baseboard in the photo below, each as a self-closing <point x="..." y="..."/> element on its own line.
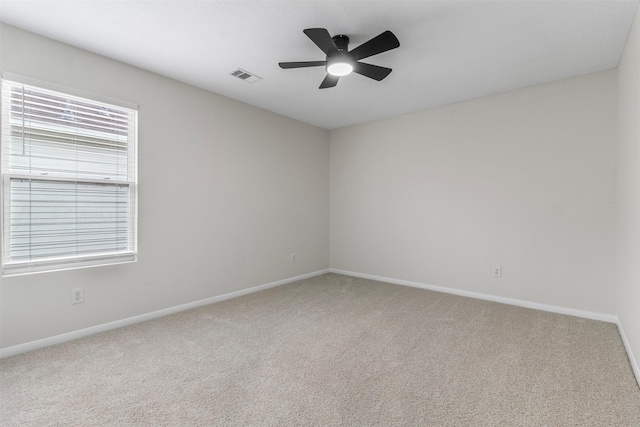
<point x="477" y="295"/>
<point x="74" y="335"/>
<point x="627" y="346"/>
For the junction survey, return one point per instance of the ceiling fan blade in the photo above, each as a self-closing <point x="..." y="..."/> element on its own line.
<point x="322" y="39"/>
<point x="303" y="64"/>
<point x="374" y="72"/>
<point x="329" y="81"/>
<point x="380" y="43"/>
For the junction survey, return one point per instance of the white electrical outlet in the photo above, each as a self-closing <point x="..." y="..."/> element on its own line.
<point x="497" y="271"/>
<point x="293" y="257"/>
<point x="77" y="295"/>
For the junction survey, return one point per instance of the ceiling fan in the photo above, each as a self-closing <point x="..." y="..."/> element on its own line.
<point x="340" y="61"/>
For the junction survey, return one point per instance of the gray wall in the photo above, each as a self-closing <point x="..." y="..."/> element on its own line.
<point x="524" y="180"/>
<point x="226" y="193"/>
<point x="628" y="195"/>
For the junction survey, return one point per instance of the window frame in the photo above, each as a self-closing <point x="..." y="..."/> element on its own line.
<point x="53" y="263"/>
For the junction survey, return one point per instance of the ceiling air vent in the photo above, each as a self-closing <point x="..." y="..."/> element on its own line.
<point x="245" y="75"/>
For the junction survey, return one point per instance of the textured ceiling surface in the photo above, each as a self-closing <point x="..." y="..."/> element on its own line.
<point x="449" y="51"/>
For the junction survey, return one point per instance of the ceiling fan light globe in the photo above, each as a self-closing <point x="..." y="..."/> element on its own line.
<point x="339" y="69"/>
<point x="340" y="64"/>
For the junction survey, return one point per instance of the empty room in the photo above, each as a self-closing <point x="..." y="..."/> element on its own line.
<point x="320" y="213"/>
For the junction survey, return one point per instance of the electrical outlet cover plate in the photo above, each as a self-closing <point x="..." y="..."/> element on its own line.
<point x="497" y="271"/>
<point x="77" y="295"/>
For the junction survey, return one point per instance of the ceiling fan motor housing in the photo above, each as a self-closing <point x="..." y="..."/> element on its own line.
<point x="341" y="41"/>
<point x="340" y="63"/>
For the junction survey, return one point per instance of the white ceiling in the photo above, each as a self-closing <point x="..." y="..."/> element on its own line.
<point x="449" y="50"/>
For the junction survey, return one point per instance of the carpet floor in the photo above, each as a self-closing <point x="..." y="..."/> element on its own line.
<point x="332" y="351"/>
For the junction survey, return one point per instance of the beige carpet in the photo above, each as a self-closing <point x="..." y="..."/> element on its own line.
<point x="332" y="350"/>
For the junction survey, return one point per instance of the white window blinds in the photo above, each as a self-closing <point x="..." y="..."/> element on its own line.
<point x="68" y="181"/>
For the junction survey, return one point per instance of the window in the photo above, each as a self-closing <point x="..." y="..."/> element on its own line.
<point x="69" y="181"/>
